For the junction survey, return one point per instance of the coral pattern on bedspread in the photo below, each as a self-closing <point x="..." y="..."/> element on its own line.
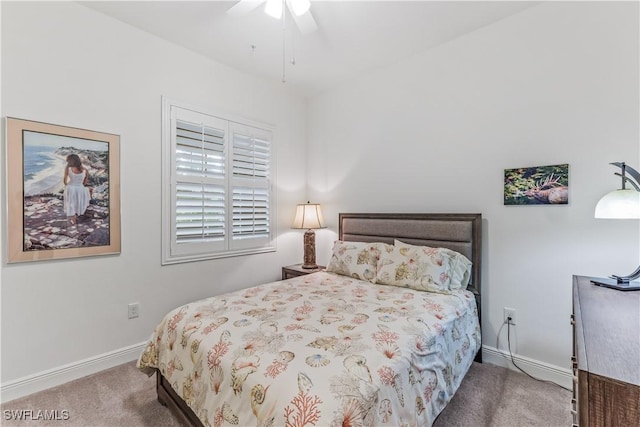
<point x="317" y="350"/>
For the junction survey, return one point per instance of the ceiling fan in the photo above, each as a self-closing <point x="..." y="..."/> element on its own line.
<point x="299" y="9"/>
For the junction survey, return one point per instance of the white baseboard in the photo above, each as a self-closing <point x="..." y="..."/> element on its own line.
<point x="535" y="368"/>
<point x="20" y="387"/>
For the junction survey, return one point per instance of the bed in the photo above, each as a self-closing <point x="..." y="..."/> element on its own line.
<point x="333" y="347"/>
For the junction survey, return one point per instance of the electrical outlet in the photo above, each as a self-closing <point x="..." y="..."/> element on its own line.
<point x="510" y="313"/>
<point x="134" y="310"/>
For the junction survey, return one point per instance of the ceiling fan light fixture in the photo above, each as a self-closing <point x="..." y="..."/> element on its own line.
<point x="300" y="7"/>
<point x="299" y="10"/>
<point x="274" y="8"/>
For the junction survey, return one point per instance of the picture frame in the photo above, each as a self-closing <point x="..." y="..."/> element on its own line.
<point x="60" y="206"/>
<point x="538" y="185"/>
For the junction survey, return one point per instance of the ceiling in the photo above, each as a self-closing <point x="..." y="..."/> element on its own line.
<point x="353" y="37"/>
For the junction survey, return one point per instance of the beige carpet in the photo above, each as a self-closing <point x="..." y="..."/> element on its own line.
<point x="124" y="397"/>
<point x="497" y="397"/>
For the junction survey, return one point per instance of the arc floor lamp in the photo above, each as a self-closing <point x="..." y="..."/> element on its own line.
<point x="621" y="204"/>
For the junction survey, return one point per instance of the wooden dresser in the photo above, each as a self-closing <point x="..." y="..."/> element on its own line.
<point x="606" y="355"/>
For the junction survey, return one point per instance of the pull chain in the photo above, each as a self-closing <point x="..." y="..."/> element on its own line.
<point x="284" y="19"/>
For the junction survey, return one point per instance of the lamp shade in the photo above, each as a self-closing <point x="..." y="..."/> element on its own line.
<point x="619" y="204"/>
<point x="309" y="216"/>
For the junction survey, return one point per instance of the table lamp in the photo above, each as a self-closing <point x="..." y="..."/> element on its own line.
<point x="621" y="204"/>
<point x="309" y="216"/>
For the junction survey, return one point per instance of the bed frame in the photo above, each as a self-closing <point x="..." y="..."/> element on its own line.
<point x="459" y="232"/>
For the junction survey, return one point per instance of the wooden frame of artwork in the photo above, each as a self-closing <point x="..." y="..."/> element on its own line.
<point x="53" y="212"/>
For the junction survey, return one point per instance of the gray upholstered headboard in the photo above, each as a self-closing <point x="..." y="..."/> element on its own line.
<point x="458" y="232"/>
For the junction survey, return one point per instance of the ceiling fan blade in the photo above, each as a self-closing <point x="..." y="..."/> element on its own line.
<point x="305" y="22"/>
<point x="243" y="7"/>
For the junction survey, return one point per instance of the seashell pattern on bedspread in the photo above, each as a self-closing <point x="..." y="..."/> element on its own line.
<point x="317" y="350"/>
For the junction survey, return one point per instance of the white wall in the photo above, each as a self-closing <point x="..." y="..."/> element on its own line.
<point x="557" y="83"/>
<point x="65" y="64"/>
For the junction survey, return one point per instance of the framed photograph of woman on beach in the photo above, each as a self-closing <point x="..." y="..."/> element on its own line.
<point x="63" y="191"/>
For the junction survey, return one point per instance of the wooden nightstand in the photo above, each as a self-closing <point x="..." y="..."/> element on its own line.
<point x="296" y="270"/>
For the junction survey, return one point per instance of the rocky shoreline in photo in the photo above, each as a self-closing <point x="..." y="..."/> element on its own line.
<point x="47" y="227"/>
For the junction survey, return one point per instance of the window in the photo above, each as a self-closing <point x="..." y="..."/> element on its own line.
<point x="217" y="185"/>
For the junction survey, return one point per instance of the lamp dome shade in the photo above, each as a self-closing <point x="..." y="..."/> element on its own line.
<point x="619" y="204"/>
<point x="308" y="215"/>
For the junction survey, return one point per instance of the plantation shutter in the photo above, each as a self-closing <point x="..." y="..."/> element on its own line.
<point x="217" y="186"/>
<point x="200" y="183"/>
<point x="217" y="181"/>
<point x="251" y="186"/>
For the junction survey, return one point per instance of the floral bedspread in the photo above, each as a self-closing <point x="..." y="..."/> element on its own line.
<point x="317" y="350"/>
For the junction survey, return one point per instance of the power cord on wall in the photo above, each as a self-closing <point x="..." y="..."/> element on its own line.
<point x="508" y="322"/>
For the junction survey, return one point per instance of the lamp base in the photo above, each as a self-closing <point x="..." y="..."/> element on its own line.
<point x="309" y="250"/>
<point x="614" y="284"/>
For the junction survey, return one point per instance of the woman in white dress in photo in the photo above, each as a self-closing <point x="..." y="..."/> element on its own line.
<point x="76" y="194"/>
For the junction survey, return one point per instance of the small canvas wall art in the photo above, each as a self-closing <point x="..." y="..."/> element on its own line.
<point x="64" y="191"/>
<point x="539" y="185"/>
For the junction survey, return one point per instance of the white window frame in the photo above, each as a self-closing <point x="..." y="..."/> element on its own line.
<point x="174" y="252"/>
